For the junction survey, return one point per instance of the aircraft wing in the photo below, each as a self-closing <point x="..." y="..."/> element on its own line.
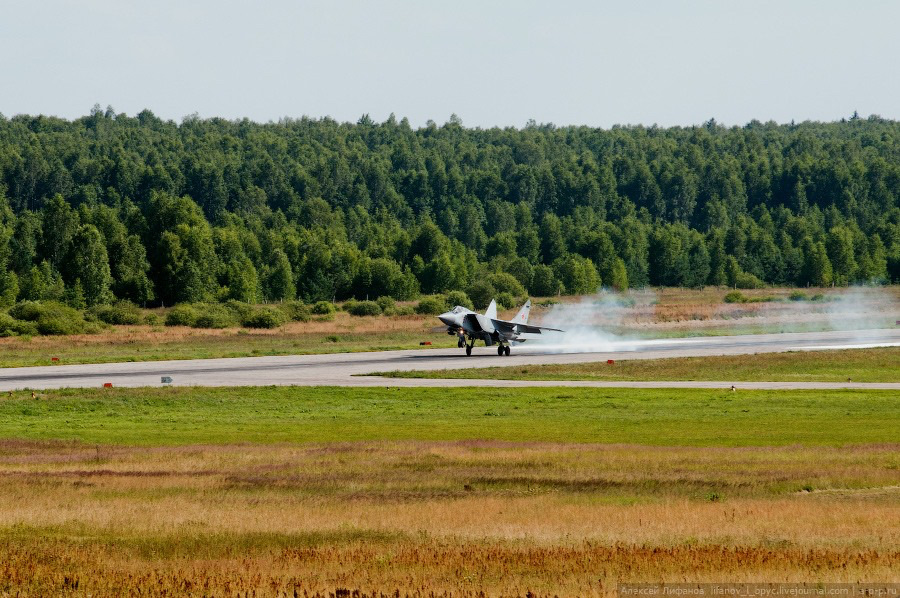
<point x="507" y="328"/>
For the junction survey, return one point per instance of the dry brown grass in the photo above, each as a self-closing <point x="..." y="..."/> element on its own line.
<point x="131" y="334"/>
<point x="143" y="343"/>
<point x="460" y="517"/>
<point x="422" y="568"/>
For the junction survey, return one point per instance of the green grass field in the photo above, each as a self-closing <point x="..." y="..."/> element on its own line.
<point x="301" y="414"/>
<point x="858" y="365"/>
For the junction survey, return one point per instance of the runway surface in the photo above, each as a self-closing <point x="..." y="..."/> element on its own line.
<point x="347" y="369"/>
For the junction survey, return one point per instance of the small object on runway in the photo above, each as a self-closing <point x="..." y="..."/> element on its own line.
<point x="166" y="379"/>
<point x="423" y="343"/>
<point x="107" y="385"/>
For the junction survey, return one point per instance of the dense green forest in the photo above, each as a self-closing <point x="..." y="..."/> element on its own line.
<point x="115" y="207"/>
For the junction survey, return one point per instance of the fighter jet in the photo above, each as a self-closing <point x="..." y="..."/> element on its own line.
<point x="469" y="326"/>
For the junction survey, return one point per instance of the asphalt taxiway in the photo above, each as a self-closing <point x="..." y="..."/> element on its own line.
<point x="349" y="369"/>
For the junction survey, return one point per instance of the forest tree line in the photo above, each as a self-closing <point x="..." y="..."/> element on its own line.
<point x="110" y="207"/>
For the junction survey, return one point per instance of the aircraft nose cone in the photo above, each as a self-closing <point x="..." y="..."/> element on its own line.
<point x="448" y="319"/>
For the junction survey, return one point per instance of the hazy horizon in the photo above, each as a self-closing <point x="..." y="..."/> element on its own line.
<point x="437" y="122"/>
<point x="503" y="64"/>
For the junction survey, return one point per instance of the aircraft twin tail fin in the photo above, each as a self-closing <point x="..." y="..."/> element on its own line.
<point x="522" y="316"/>
<point x="491" y="312"/>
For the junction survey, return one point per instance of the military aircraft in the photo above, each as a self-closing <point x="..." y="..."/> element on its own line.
<point x="469" y="326"/>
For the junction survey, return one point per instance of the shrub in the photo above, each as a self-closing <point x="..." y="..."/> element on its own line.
<point x="797" y="296"/>
<point x="57" y="326"/>
<point x="152" y="320"/>
<point x="455" y="298"/>
<point x="10" y="326"/>
<point x="213" y="315"/>
<point x="54" y="325"/>
<point x="404" y="310"/>
<point x="745" y="280"/>
<point x="365" y="308"/>
<point x="120" y="313"/>
<point x="323" y="308"/>
<point x="432" y="306"/>
<point x="63" y="322"/>
<point x="387" y="304"/>
<point x="506" y="301"/>
<point x="51" y="317"/>
<point x="181" y="315"/>
<point x="296" y="311"/>
<point x="29" y="311"/>
<point x="735" y="297"/>
<point x="265" y="317"/>
<point x="240" y="309"/>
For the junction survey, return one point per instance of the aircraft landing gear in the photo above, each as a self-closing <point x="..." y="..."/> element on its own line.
<point x="468" y="350"/>
<point x="507" y="350"/>
<point x="499" y="349"/>
<point x="461" y="342"/>
<point x="503" y="350"/>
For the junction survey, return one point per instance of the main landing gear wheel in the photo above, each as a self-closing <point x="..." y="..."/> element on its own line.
<point x="499" y="349"/>
<point x="506" y="350"/>
<point x="468" y="349"/>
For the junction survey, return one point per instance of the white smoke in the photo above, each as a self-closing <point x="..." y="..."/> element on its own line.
<point x="863" y="308"/>
<point x="847" y="309"/>
<point x="609" y="322"/>
<point x="593" y="324"/>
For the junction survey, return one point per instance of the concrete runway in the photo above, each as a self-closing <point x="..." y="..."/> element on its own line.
<point x="346" y="369"/>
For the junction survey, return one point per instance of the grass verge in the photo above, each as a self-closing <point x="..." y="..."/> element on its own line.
<point x="142" y="343"/>
<point x="160" y="416"/>
<point x="858" y="365"/>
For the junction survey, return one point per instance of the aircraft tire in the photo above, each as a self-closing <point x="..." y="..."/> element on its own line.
<point x="468" y="350"/>
<point x="499" y="349"/>
<point x="507" y="350"/>
<point x="460" y="343"/>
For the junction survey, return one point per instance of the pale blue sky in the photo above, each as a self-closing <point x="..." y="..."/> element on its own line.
<point x="492" y="63"/>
